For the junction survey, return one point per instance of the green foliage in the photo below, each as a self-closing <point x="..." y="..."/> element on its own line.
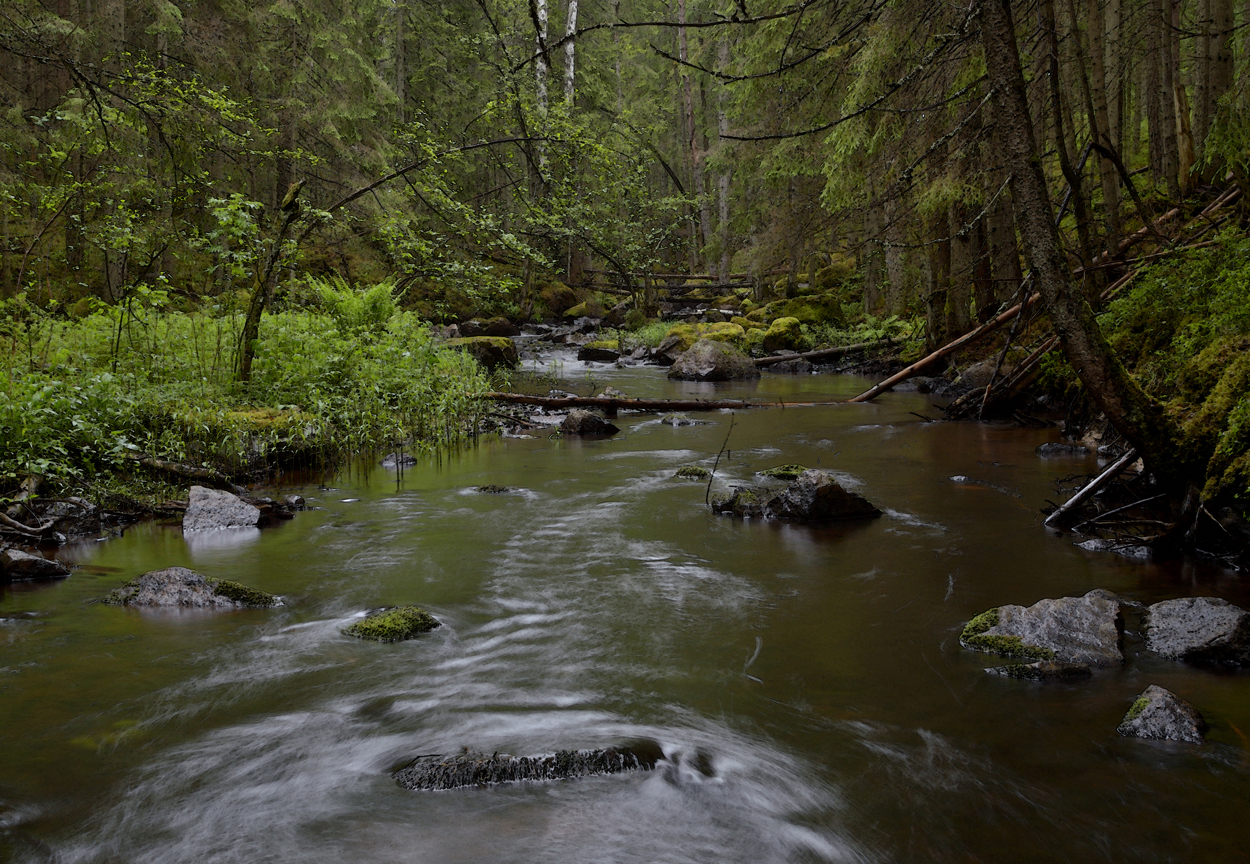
<point x="356" y="310"/>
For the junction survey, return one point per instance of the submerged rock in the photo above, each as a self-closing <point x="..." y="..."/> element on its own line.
<point x="711" y="360"/>
<point x="396" y="460"/>
<point x="1042" y="670"/>
<point x="19" y="565"/>
<point x="1055" y="449"/>
<point x="693" y="472"/>
<point x="783" y="472"/>
<point x="493" y="489"/>
<point x="186" y="589"/>
<point x="816" y="497"/>
<point x="211" y="509"/>
<point x="479" y="769"/>
<point x="680" y="420"/>
<point x="1087" y="630"/>
<point x="604" y="351"/>
<point x="1160" y="715"/>
<point x="583" y="422"/>
<point x="1198" y="628"/>
<point x="1128" y="550"/>
<point x="393" y="624"/>
<point x="742" y="502"/>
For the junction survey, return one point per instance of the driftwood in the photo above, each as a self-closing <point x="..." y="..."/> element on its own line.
<point x="823" y="352"/>
<point x="612" y="404"/>
<point x="26" y="530"/>
<point x="967" y="339"/>
<point x="206" y="476"/>
<point x="29" y="487"/>
<point x="1094" y="485"/>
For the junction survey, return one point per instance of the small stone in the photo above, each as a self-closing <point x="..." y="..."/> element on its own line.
<point x="1160" y="715"/>
<point x="612" y="393"/>
<point x="1042" y="670"/>
<point x="1198" y="628"/>
<point x="1086" y="630"/>
<point x="294" y="502"/>
<point x="16" y="564"/>
<point x="1128" y="550"/>
<point x="210" y="509"/>
<point x="582" y="422"/>
<point x="1054" y="449"/>
<point x="679" y="420"/>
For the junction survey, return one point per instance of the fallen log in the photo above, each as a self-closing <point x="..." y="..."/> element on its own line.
<point x="207" y="476"/>
<point x="950" y="347"/>
<point x="1094" y="485"/>
<point x="822" y="353"/>
<point x="25" y="530"/>
<point x="612" y="404"/>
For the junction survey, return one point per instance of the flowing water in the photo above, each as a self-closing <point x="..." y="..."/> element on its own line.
<point x="805" y="683"/>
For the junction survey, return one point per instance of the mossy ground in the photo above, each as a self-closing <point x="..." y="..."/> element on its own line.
<point x="974" y="637"/>
<point x="393" y="625"/>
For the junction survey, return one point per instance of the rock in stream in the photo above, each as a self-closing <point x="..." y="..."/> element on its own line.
<point x="213" y="509"/>
<point x="1085" y="630"/>
<point x="1161" y="715"/>
<point x="178" y="587"/>
<point x="1198" y="628"/>
<point x="479" y="769"/>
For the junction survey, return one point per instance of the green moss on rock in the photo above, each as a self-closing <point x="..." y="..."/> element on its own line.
<point x="784" y="472"/>
<point x="250" y="597"/>
<point x="692" y="472"/>
<point x="1136" y="708"/>
<point x="393" y="624"/>
<point x="974" y="636"/>
<point x="784" y="334"/>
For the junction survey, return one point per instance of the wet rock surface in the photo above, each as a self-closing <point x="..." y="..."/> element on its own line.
<point x="741" y="502"/>
<point x="680" y="420"/>
<point x="18" y="565"/>
<point x="479" y="769"/>
<point x="1042" y="670"/>
<point x="587" y="423"/>
<point x="710" y="360"/>
<point x="692" y="472"/>
<point x="213" y="509"/>
<point x="398" y="460"/>
<point x="816" y="497"/>
<point x="1200" y="629"/>
<point x="179" y="587"/>
<point x="1053" y="449"/>
<point x="491" y="351"/>
<point x="1161" y="715"/>
<point x="1086" y="630"/>
<point x="392" y="624"/>
<point x="1129" y="550"/>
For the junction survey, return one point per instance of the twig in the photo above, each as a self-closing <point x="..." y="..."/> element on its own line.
<point x="1094" y="485"/>
<point x="1102" y="516"/>
<point x="707" y="494"/>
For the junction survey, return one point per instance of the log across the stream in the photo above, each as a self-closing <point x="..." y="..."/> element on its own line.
<point x="612" y="404"/>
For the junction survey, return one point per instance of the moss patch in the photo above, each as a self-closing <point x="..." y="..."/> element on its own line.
<point x="605" y="344"/>
<point x="1136" y="709"/>
<point x="392" y="625"/>
<point x="693" y="472"/>
<point x="974" y="637"/>
<point x="242" y="594"/>
<point x="493" y="489"/>
<point x="784" y="472"/>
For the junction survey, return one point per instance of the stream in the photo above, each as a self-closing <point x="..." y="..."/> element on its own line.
<point x="805" y="683"/>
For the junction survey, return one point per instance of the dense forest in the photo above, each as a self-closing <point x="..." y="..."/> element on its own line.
<point x="181" y="172"/>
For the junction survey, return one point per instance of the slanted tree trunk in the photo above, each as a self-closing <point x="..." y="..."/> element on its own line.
<point x="1129" y="409"/>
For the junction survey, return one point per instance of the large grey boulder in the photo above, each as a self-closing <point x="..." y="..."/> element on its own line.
<point x="210" y="509"/>
<point x="178" y="587"/>
<point x="16" y="564"/>
<point x="1084" y="630"/>
<point x="1161" y="715"/>
<point x="1198" y="628"/>
<point x="816" y="497"/>
<point x="582" y="422"/>
<point x="709" y="360"/>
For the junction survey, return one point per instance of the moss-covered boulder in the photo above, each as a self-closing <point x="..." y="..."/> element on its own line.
<point x="741" y="502"/>
<point x="587" y="309"/>
<point x="816" y="309"/>
<point x="178" y="587"/>
<point x="747" y="323"/>
<point x="491" y="351"/>
<point x="784" y="334"/>
<point x="816" y="497"/>
<point x="556" y="297"/>
<point x="692" y="472"/>
<point x="600" y="351"/>
<point x="1160" y="715"/>
<point x="393" y="624"/>
<point x="1086" y="629"/>
<point x="709" y="360"/>
<point x="783" y="472"/>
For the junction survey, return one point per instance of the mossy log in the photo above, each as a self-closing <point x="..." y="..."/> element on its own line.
<point x="479" y="769"/>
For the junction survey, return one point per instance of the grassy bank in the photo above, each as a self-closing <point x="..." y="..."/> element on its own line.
<point x="81" y="398"/>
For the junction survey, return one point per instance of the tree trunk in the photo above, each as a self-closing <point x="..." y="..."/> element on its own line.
<point x="722" y="181"/>
<point x="570" y="30"/>
<point x="1129" y="409"/>
<point x="963" y="257"/>
<point x="1101" y="121"/>
<point x="939" y="281"/>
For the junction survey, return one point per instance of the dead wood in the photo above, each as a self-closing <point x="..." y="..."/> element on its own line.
<point x="613" y="404"/>
<point x="206" y="476"/>
<point x="823" y="352"/>
<point x="1094" y="485"/>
